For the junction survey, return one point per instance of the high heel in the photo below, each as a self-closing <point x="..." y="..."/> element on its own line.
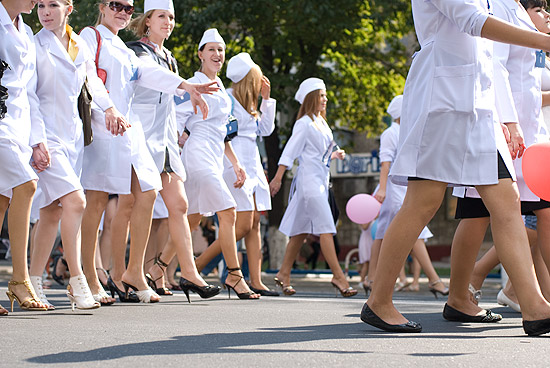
<point x="245" y="295"/>
<point x="367" y="285"/>
<point x="287" y="290"/>
<point x="24" y="304"/>
<point x="60" y="279"/>
<point x="101" y="296"/>
<point x="204" y="292"/>
<point x="37" y="285"/>
<point x="80" y="295"/>
<point x="435" y="291"/>
<point x="346" y="293"/>
<point x="264" y="292"/>
<point x="153" y="282"/>
<point x="130" y="298"/>
<point x="144" y="296"/>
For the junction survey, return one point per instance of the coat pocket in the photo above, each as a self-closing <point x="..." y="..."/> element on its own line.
<point x="453" y="88"/>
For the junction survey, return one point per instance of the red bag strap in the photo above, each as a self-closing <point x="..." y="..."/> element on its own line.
<point x="98" y="37"/>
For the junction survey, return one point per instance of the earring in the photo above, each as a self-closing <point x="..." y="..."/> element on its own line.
<point x="148" y="32"/>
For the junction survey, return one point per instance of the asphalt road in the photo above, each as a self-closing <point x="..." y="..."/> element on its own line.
<point x="313" y="328"/>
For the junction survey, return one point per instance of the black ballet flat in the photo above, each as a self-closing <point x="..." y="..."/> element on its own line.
<point x="451" y="314"/>
<point x="204" y="292"/>
<point x="130" y="298"/>
<point x="536" y="328"/>
<point x="369" y="317"/>
<point x="263" y="292"/>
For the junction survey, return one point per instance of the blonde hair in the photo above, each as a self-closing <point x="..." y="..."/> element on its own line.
<point x="138" y="25"/>
<point x="247" y="90"/>
<point x="310" y="106"/>
<point x="100" y="15"/>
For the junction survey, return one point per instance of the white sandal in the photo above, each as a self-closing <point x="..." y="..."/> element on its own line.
<point x="38" y="287"/>
<point x="80" y="295"/>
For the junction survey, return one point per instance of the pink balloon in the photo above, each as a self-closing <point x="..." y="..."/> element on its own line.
<point x="535" y="166"/>
<point x="362" y="208"/>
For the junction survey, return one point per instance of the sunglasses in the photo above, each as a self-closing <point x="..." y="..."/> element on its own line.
<point x="118" y="7"/>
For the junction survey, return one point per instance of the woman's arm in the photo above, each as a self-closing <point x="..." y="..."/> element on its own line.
<point x="239" y="170"/>
<point x="275" y="183"/>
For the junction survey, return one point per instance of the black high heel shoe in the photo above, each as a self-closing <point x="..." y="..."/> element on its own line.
<point x="204" y="292"/>
<point x="435" y="291"/>
<point x="153" y="282"/>
<point x="246" y="295"/>
<point x="145" y="296"/>
<point x="60" y="279"/>
<point x="369" y="317"/>
<point x="130" y="298"/>
<point x="263" y="292"/>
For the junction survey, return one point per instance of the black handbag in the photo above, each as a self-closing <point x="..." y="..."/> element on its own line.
<point x="3" y="90"/>
<point x="85" y="112"/>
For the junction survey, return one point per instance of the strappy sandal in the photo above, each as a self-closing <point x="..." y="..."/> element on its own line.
<point x="153" y="282"/>
<point x="245" y="295"/>
<point x="287" y="290"/>
<point x="24" y="303"/>
<point x="346" y="293"/>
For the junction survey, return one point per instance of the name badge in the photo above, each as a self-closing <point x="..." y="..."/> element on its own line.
<point x="541" y="59"/>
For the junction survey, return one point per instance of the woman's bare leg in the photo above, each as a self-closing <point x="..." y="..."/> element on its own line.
<point x="45" y="234"/>
<point x="329" y="252"/>
<point x="119" y="236"/>
<point x="253" y="242"/>
<point x="292" y="249"/>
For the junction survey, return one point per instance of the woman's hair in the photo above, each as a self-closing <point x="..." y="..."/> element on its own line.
<point x="100" y="16"/>
<point x="527" y="4"/>
<point x="310" y="106"/>
<point x="138" y="26"/>
<point x="247" y="90"/>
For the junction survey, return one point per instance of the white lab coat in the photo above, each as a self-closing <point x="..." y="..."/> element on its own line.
<point x="109" y="160"/>
<point x="308" y="210"/>
<point x="395" y="194"/>
<point x="448" y="122"/>
<point x="157" y="114"/>
<point x="203" y="151"/>
<point x="545" y="86"/>
<point x="17" y="132"/>
<point x="59" y="82"/>
<point x="246" y="149"/>
<point x="518" y="86"/>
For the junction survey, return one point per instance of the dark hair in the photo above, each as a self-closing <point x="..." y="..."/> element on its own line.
<point x="528" y="4"/>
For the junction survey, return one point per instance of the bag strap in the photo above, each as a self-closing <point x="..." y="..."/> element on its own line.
<point x="232" y="102"/>
<point x="98" y="37"/>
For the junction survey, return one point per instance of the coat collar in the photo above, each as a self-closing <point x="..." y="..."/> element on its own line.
<point x="6" y="21"/>
<point x="520" y="12"/>
<point x="54" y="47"/>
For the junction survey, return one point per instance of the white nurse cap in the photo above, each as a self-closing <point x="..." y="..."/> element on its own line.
<point x="211" y="35"/>
<point x="307" y="86"/>
<point x="394" y="108"/>
<point x="239" y="66"/>
<point x="158" y="5"/>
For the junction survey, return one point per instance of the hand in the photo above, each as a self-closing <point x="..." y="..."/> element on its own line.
<point x="40" y="157"/>
<point x="339" y="154"/>
<point x="516" y="144"/>
<point x="241" y="175"/>
<point x="182" y="139"/>
<point x="380" y="195"/>
<point x="196" y="90"/>
<point x="115" y="122"/>
<point x="266" y="88"/>
<point x="199" y="102"/>
<point x="275" y="186"/>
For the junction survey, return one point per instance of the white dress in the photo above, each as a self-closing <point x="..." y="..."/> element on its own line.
<point x="308" y="210"/>
<point x="203" y="151"/>
<point x="449" y="130"/>
<point x="545" y="86"/>
<point x="109" y="160"/>
<point x="246" y="149"/>
<point x="17" y="132"/>
<point x="157" y="114"/>
<point x="518" y="86"/>
<point x="59" y="82"/>
<point x="395" y="194"/>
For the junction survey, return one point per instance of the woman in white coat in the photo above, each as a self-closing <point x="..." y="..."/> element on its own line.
<point x="122" y="164"/>
<point x="63" y="63"/>
<point x="19" y="141"/>
<point x="156" y="112"/>
<point x="308" y="210"/>
<point x="248" y="84"/>
<point x="450" y="134"/>
<point x="391" y="196"/>
<point x="203" y="155"/>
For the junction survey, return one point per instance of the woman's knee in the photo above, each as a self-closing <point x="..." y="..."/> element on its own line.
<point x="26" y="190"/>
<point x="227" y="217"/>
<point x="74" y="203"/>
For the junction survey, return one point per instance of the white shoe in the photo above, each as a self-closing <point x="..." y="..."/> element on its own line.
<point x="79" y="294"/>
<point x="101" y="295"/>
<point x="502" y="299"/>
<point x="37" y="285"/>
<point x="146" y="295"/>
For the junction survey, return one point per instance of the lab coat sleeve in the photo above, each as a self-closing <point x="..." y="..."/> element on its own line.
<point x="99" y="92"/>
<point x="154" y="76"/>
<point x="467" y="15"/>
<point x="184" y="110"/>
<point x="38" y="129"/>
<point x="388" y="146"/>
<point x="89" y="36"/>
<point x="295" y="145"/>
<point x="266" y="125"/>
<point x="504" y="100"/>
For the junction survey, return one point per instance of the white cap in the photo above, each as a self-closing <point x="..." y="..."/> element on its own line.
<point x="211" y="35"/>
<point x="394" y="108"/>
<point x="158" y="5"/>
<point x="307" y="86"/>
<point x="239" y="66"/>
